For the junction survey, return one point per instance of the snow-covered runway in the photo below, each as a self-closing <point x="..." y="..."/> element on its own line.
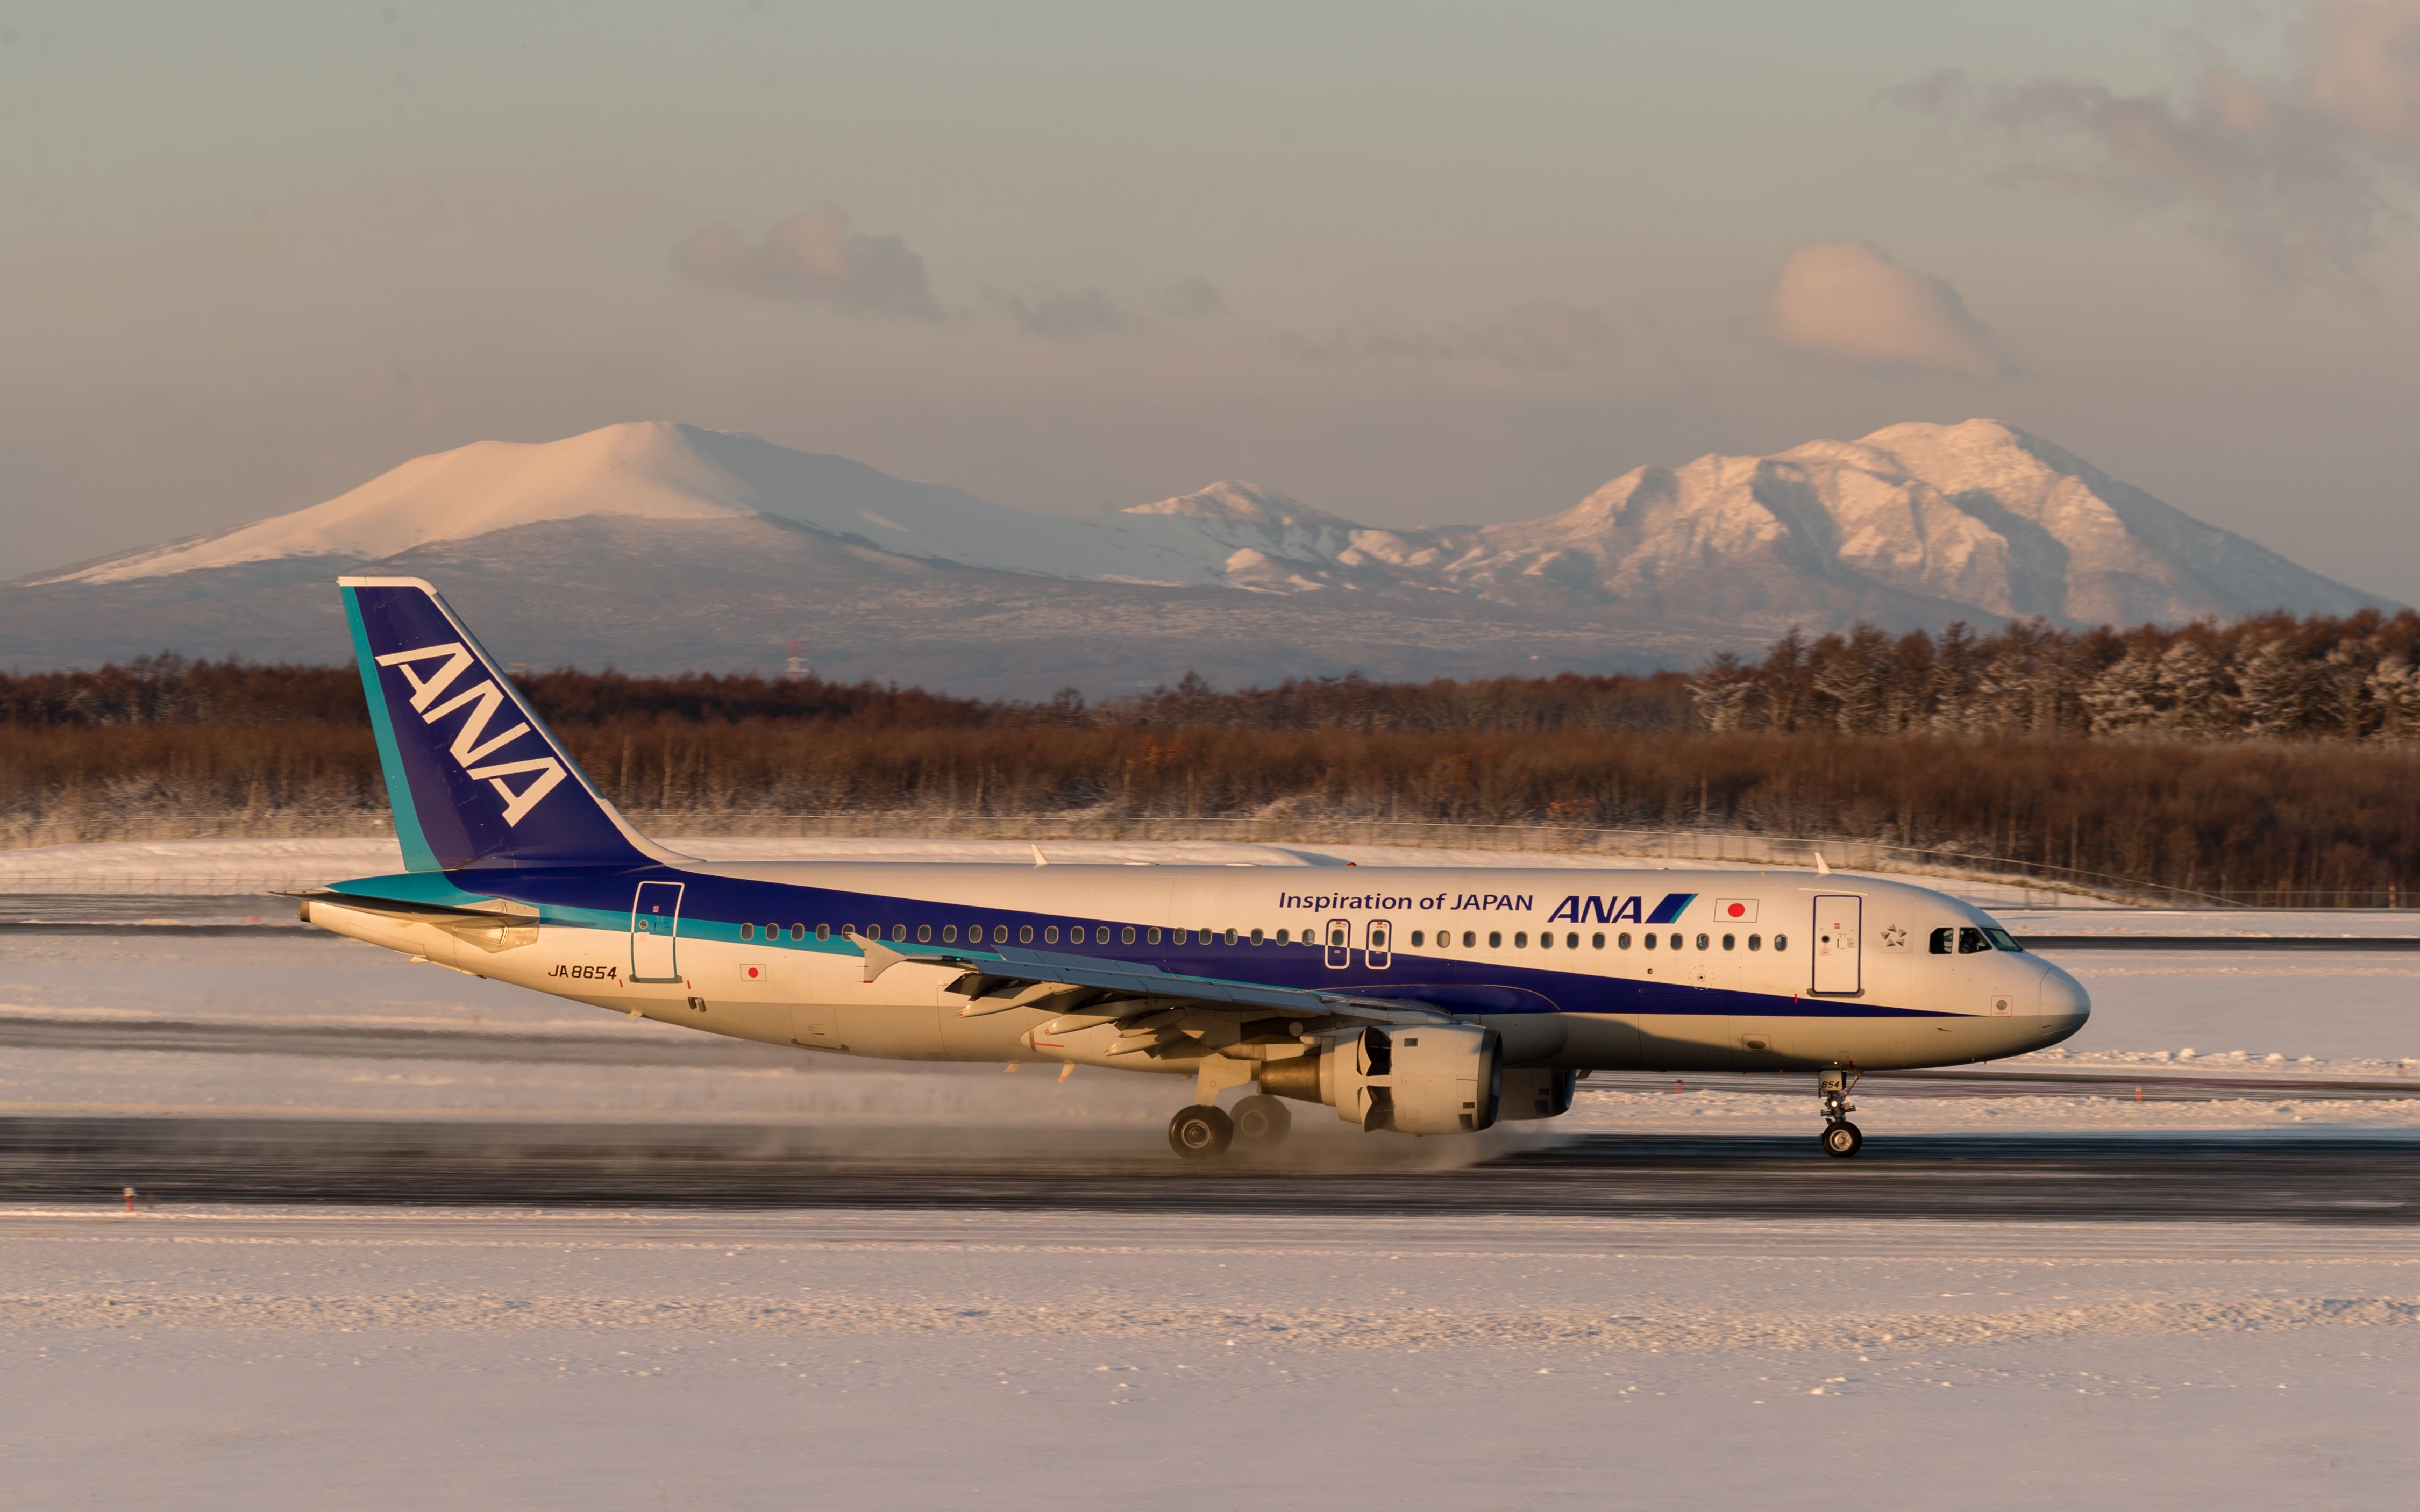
<point x="1006" y="1294"/>
<point x="219" y="1358"/>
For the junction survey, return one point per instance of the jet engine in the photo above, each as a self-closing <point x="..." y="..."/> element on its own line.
<point x="1430" y="1078"/>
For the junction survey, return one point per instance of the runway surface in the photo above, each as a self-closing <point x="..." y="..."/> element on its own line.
<point x="2315" y="1179"/>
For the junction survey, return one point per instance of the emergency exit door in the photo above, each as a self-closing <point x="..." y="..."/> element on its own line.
<point x="1839" y="920"/>
<point x="654" y="933"/>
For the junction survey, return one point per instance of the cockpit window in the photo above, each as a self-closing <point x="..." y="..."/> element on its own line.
<point x="2004" y="940"/>
<point x="1942" y="939"/>
<point x="1971" y="941"/>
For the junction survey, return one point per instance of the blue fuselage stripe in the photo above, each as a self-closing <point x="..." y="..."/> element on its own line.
<point x="715" y="908"/>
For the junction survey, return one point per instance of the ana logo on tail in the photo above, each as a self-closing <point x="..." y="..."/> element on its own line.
<point x="471" y="744"/>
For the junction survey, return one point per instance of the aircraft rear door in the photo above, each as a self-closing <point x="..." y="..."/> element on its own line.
<point x="1381" y="951"/>
<point x="1340" y="944"/>
<point x="1839" y="923"/>
<point x="654" y="932"/>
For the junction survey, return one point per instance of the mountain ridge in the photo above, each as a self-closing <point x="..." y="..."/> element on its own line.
<point x="1914" y="524"/>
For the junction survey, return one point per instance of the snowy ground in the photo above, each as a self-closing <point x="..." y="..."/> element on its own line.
<point x="204" y="1358"/>
<point x="376" y="1360"/>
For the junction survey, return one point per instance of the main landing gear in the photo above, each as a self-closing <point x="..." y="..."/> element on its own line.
<point x="1201" y="1132"/>
<point x="1840" y="1137"/>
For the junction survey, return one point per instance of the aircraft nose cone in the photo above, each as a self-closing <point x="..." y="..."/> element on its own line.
<point x="2064" y="1002"/>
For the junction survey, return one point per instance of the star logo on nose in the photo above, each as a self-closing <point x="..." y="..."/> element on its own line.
<point x="1894" y="938"/>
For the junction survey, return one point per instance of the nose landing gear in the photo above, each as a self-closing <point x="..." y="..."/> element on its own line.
<point x="1841" y="1139"/>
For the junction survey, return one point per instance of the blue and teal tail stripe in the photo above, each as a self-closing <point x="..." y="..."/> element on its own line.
<point x="472" y="773"/>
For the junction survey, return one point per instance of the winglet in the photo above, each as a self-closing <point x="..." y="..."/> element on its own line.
<point x="1821" y="870"/>
<point x="1039" y="860"/>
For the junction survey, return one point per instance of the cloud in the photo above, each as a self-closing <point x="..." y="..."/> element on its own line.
<point x="1849" y="302"/>
<point x="1539" y="336"/>
<point x="1548" y="337"/>
<point x="1189" y="298"/>
<point x="812" y="258"/>
<point x="1066" y="316"/>
<point x="1369" y="337"/>
<point x="2291" y="174"/>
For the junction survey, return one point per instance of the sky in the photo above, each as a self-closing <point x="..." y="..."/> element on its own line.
<point x="1413" y="264"/>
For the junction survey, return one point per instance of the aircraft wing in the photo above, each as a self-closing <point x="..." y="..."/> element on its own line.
<point x="1009" y="976"/>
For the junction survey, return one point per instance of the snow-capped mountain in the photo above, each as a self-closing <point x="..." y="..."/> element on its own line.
<point x="1229" y="535"/>
<point x="658" y="546"/>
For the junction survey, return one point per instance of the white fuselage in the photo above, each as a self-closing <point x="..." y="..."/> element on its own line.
<point x="1779" y="970"/>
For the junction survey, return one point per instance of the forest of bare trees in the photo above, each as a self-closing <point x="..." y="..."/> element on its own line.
<point x="2273" y="677"/>
<point x="2270" y="761"/>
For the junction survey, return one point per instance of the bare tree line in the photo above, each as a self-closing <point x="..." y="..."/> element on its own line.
<point x="2267" y="677"/>
<point x="2269" y="760"/>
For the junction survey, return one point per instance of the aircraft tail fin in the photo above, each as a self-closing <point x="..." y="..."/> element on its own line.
<point x="475" y="778"/>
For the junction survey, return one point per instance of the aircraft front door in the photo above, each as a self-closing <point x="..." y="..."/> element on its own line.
<point x="654" y="933"/>
<point x="1839" y="921"/>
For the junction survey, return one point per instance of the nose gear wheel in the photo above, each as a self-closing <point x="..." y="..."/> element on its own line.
<point x="1841" y="1139"/>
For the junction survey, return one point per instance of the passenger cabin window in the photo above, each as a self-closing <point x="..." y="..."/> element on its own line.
<point x="1756" y="941"/>
<point x="1596" y="942"/>
<point x="1470" y="939"/>
<point x="1702" y="942"/>
<point x="823" y="931"/>
<point x="1649" y="940"/>
<point x="1496" y="939"/>
<point x="923" y="934"/>
<point x="1621" y="941"/>
<point x="1126" y="936"/>
<point x="797" y="931"/>
<point x="1417" y="936"/>
<point x="1782" y="942"/>
<point x="747" y="931"/>
<point x="1731" y="942"/>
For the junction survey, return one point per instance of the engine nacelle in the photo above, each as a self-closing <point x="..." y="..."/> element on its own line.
<point x="1430" y="1078"/>
<point x="1537" y="1094"/>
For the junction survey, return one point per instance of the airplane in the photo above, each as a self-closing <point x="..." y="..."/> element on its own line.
<point x="1430" y="1000"/>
